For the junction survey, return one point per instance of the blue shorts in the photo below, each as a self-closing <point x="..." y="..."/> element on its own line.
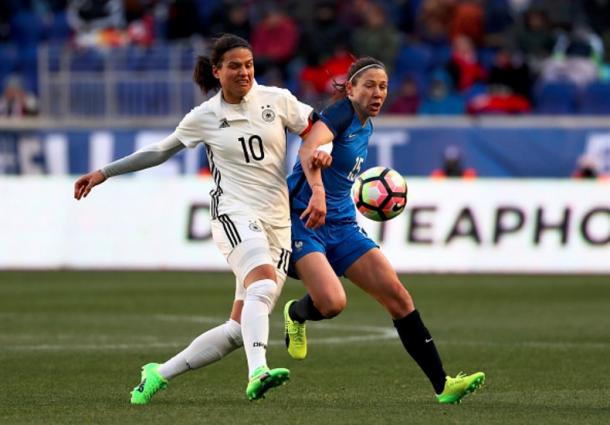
<point x="342" y="243"/>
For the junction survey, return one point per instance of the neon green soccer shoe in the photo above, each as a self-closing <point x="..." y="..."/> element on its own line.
<point x="264" y="379"/>
<point x="459" y="387"/>
<point x="295" y="334"/>
<point x="151" y="382"/>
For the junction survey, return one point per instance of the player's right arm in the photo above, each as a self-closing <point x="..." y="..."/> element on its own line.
<point x="333" y="121"/>
<point x="148" y="156"/>
<point x="310" y="156"/>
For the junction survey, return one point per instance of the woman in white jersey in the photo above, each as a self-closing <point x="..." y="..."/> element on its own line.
<point x="243" y="129"/>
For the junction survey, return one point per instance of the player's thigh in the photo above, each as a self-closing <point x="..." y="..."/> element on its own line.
<point x="374" y="274"/>
<point x="279" y="248"/>
<point x="321" y="283"/>
<point x="243" y="242"/>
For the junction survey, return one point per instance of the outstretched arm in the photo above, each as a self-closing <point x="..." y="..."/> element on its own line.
<point x="147" y="157"/>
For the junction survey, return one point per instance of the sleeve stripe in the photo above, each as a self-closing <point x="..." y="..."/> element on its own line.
<point x="305" y="132"/>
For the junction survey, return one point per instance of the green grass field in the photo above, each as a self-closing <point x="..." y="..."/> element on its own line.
<point x="72" y="343"/>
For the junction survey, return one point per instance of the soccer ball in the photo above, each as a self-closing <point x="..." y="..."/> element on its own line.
<point x="380" y="193"/>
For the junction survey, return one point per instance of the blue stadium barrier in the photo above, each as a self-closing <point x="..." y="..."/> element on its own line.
<point x="533" y="148"/>
<point x="595" y="99"/>
<point x="556" y="98"/>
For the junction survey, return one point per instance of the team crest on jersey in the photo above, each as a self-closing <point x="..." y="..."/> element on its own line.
<point x="268" y="115"/>
<point x="255" y="227"/>
<point x="298" y="245"/>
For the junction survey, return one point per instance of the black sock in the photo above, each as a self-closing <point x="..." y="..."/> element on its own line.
<point x="417" y="341"/>
<point x="304" y="310"/>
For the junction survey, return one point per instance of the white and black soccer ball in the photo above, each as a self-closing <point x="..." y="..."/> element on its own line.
<point x="380" y="193"/>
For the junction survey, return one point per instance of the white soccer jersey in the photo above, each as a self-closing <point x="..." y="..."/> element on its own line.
<point x="246" y="146"/>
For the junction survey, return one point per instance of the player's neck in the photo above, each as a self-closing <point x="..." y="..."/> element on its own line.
<point x="362" y="116"/>
<point x="228" y="98"/>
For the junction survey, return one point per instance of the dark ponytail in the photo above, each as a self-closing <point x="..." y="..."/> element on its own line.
<point x="353" y="75"/>
<point x="202" y="74"/>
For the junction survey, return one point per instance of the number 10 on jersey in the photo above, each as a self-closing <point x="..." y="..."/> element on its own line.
<point x="253" y="148"/>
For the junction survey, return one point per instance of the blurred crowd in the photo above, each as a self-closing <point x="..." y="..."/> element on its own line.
<point x="445" y="57"/>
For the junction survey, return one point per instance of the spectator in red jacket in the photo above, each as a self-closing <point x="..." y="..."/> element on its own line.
<point x="468" y="20"/>
<point x="464" y="66"/>
<point x="334" y="68"/>
<point x="274" y="40"/>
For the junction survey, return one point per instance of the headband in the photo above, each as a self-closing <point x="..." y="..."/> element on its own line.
<point x="364" y="68"/>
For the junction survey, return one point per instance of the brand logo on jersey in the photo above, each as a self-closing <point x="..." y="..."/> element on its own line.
<point x="224" y="123"/>
<point x="350" y="136"/>
<point x="255" y="227"/>
<point x="268" y="115"/>
<point x="298" y="245"/>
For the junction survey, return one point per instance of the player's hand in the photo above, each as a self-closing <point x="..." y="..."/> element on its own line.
<point x="83" y="185"/>
<point x="320" y="159"/>
<point x="316" y="210"/>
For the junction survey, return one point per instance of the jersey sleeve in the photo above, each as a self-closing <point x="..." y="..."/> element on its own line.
<point x="338" y="116"/>
<point x="298" y="115"/>
<point x="189" y="131"/>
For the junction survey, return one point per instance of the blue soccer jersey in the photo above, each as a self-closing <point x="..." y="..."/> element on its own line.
<point x="349" y="153"/>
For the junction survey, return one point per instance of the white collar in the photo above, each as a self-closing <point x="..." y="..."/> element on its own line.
<point x="216" y="104"/>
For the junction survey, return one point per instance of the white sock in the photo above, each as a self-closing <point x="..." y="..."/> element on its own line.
<point x="207" y="348"/>
<point x="255" y="322"/>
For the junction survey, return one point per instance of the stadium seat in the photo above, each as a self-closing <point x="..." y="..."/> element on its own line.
<point x="440" y="55"/>
<point x="486" y="57"/>
<point x="188" y="97"/>
<point x="58" y="28"/>
<point x="87" y="98"/>
<point x="415" y="59"/>
<point x="26" y="27"/>
<point x="141" y="98"/>
<point x="87" y="60"/>
<point x="55" y="51"/>
<point x="137" y="58"/>
<point x="187" y="58"/>
<point x="595" y="99"/>
<point x="9" y="59"/>
<point x="555" y="98"/>
<point x="157" y="58"/>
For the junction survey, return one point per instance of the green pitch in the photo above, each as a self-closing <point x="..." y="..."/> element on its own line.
<point x="72" y="344"/>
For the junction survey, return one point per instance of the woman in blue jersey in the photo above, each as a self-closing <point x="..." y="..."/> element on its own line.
<point x="327" y="242"/>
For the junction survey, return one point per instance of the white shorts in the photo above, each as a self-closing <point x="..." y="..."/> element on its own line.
<point x="246" y="242"/>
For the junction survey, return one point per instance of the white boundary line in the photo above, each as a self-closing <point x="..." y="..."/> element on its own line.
<point x="371" y="333"/>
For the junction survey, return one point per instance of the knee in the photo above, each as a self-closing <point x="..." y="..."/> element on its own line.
<point x="332" y="306"/>
<point x="263" y="291"/>
<point x="399" y="302"/>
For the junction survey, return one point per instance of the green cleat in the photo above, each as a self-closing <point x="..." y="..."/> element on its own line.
<point x="295" y="334"/>
<point x="264" y="379"/>
<point x="151" y="382"/>
<point x="459" y="387"/>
